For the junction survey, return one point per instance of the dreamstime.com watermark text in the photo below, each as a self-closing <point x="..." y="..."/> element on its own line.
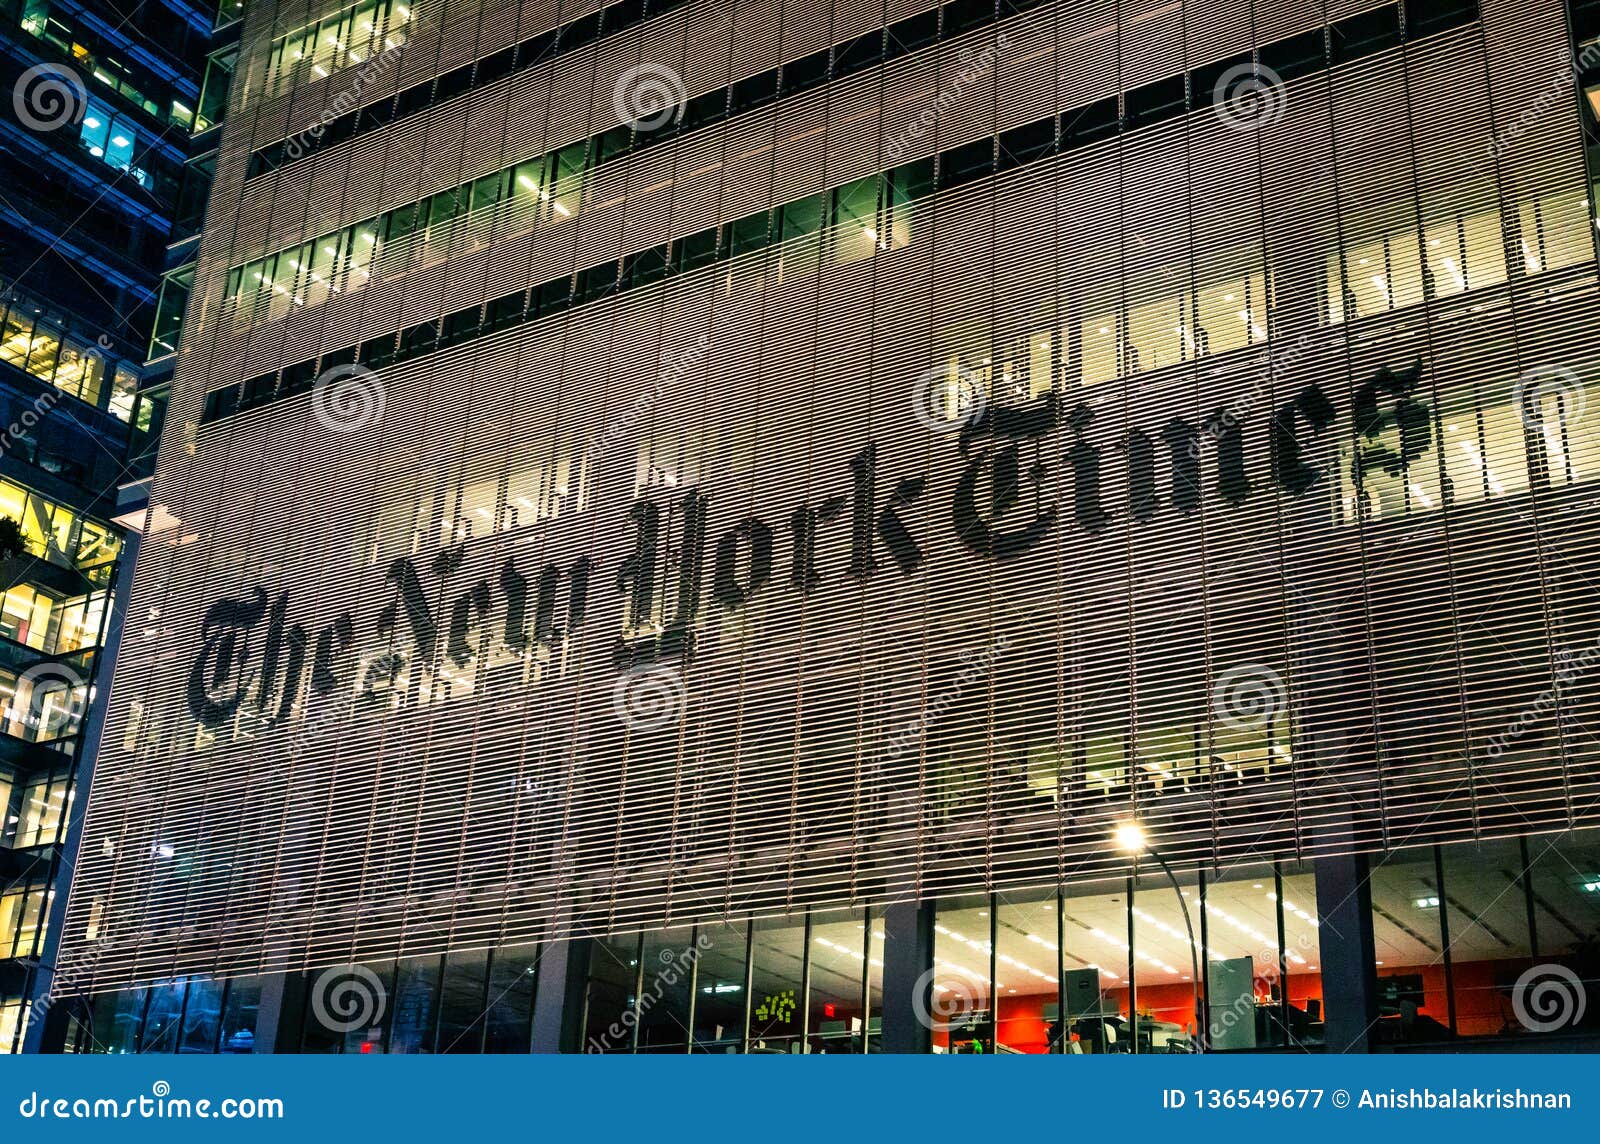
<point x="157" y="1104"/>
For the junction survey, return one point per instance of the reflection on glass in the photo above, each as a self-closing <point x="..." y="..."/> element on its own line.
<point x="162" y="1017"/>
<point x="1413" y="998"/>
<point x="1163" y="966"/>
<point x="513" y="974"/>
<point x="202" y="1016"/>
<point x="415" y="1007"/>
<point x="1483" y="911"/>
<point x="962" y="1001"/>
<point x="1565" y="881"/>
<point x="668" y="964"/>
<point x="114" y="1021"/>
<point x="1026" y="974"/>
<point x="239" y="1015"/>
<point x="609" y="1017"/>
<point x="836" y="1009"/>
<point x="1094" y="958"/>
<point x="777" y="988"/>
<point x="463" y="999"/>
<point x="1302" y="953"/>
<point x="719" y="1001"/>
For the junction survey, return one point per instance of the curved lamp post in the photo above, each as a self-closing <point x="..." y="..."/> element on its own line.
<point x="1131" y="839"/>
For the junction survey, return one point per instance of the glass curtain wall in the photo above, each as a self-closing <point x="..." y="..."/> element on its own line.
<point x="777" y="985"/>
<point x="1493" y="939"/>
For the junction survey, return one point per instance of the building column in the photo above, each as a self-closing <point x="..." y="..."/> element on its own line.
<point x="558" y="996"/>
<point x="907" y="982"/>
<point x="1349" y="985"/>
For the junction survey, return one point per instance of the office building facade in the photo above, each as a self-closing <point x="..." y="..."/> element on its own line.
<point x="824" y="525"/>
<point x="106" y="105"/>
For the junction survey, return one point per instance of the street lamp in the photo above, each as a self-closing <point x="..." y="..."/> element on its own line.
<point x="1131" y="838"/>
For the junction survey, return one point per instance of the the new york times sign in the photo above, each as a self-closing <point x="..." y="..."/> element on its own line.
<point x="254" y="653"/>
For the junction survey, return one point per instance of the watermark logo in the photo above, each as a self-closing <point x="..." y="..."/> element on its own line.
<point x="649" y="96"/>
<point x="1549" y="392"/>
<point x="947" y="398"/>
<point x="347" y="398"/>
<point x="1548" y="997"/>
<point x="1248" y="697"/>
<point x="648" y="697"/>
<point x="48" y="96"/>
<point x="346" y="998"/>
<point x="57" y="694"/>
<point x="1249" y="95"/>
<point x="947" y="997"/>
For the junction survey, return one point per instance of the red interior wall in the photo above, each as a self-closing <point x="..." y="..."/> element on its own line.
<point x="1480" y="1004"/>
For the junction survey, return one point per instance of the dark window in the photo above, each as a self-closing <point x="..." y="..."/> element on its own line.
<point x="413" y="100"/>
<point x="445" y="205"/>
<point x="1365" y="34"/>
<point x="805" y="73"/>
<point x="504" y="313"/>
<point x="704" y="109"/>
<point x="418" y="340"/>
<point x="379" y="352"/>
<point x="646" y="267"/>
<point x="696" y="250"/>
<point x="1297" y="56"/>
<point x="755" y="91"/>
<point x="1086" y="124"/>
<point x="572" y="159"/>
<point x="299" y="377"/>
<point x="804" y="216"/>
<point x="581" y="32"/>
<point x="597" y="281"/>
<point x="336" y="132"/>
<point x="1203" y="80"/>
<point x="453" y="83"/>
<point x="748" y="234"/>
<point x="460" y="327"/>
<point x="906" y="36"/>
<point x="376" y="115"/>
<point x="555" y="296"/>
<point x="965" y="163"/>
<point x="913" y="180"/>
<point x="259" y="390"/>
<point x="220" y="403"/>
<point x="614" y="143"/>
<point x="1425" y="19"/>
<point x="495" y="67"/>
<point x="624" y="15"/>
<point x="859" y="54"/>
<point x="1024" y="144"/>
<point x="963" y="15"/>
<point x="403" y="221"/>
<point x="1159" y="100"/>
<point x="490" y="189"/>
<point x="334" y="358"/>
<point x="530" y="52"/>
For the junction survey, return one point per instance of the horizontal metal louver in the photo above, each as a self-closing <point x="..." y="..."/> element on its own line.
<point x="1314" y="545"/>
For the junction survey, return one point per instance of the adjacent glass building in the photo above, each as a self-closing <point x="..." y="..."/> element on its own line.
<point x="845" y="526"/>
<point x="101" y="197"/>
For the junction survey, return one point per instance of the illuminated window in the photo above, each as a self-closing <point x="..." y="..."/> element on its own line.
<point x="107" y="137"/>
